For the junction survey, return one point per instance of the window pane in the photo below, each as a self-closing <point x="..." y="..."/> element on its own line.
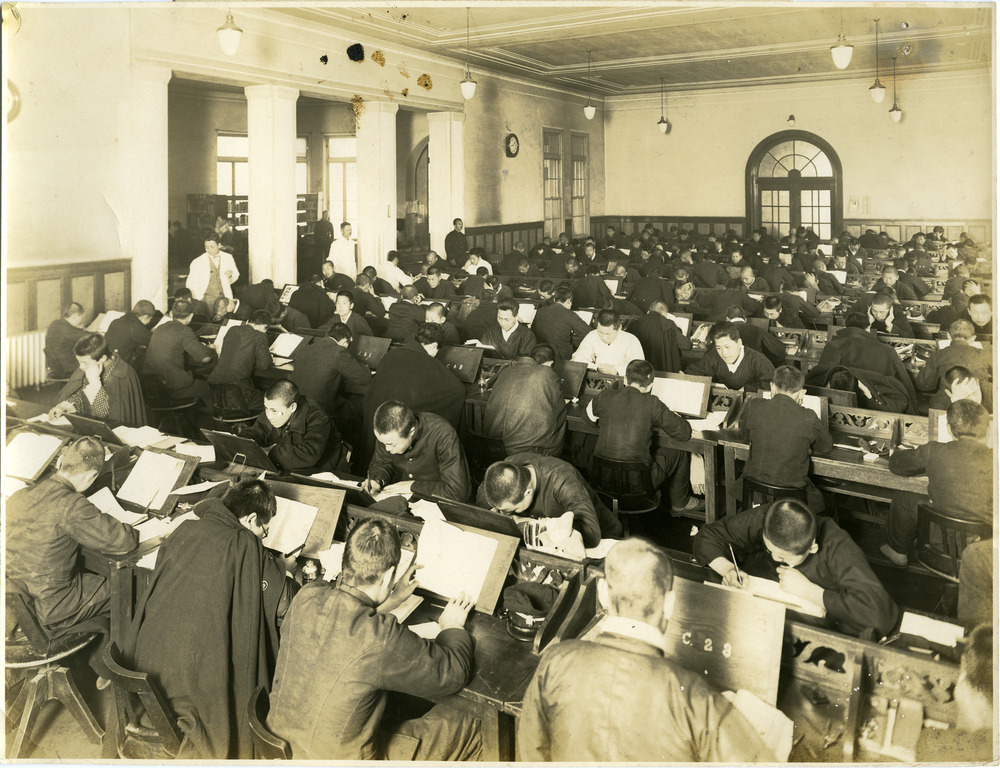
<point x="301" y="178"/>
<point x="233" y="146"/>
<point x="783" y="197"/>
<point x="766" y="167"/>
<point x="223" y="178"/>
<point x="351" y="181"/>
<point x="242" y="174"/>
<point x="824" y="197"/>
<point x="343" y="147"/>
<point x="823" y="166"/>
<point x="301" y="148"/>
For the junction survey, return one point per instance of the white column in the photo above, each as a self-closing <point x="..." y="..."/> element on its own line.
<point x="150" y="208"/>
<point x="376" y="182"/>
<point x="271" y="208"/>
<point x="446" y="174"/>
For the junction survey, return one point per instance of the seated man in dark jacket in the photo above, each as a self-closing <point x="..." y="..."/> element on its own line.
<point x="669" y="714"/>
<point x="532" y="485"/>
<point x="171" y="346"/>
<point x="508" y="337"/>
<point x="731" y="363"/>
<point x="244" y="354"/>
<point x="311" y="300"/>
<point x="128" y="336"/>
<point x="811" y="557"/>
<point x="333" y="706"/>
<point x="661" y="339"/>
<point x="60" y="337"/>
<point x="406" y="315"/>
<point x="296" y="433"/>
<point x="215" y="586"/>
<point x="557" y="325"/>
<point x="959" y="474"/>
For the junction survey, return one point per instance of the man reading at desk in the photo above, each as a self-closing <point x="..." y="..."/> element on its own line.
<point x="295" y="431"/>
<point x="420" y="451"/>
<point x="47" y="523"/>
<point x="343" y="654"/>
<point x="812" y="558"/>
<point x="616" y="697"/>
<point x="731" y="363"/>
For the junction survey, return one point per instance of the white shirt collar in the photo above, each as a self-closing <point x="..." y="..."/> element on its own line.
<point x="507" y="334"/>
<point x="736" y="364"/>
<point x="635" y="629"/>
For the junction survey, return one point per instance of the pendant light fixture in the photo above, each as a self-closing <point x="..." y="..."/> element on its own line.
<point x="877" y="90"/>
<point x="662" y="123"/>
<point x="468" y="85"/>
<point x="895" y="113"/>
<point x="590" y="110"/>
<point x="229" y="35"/>
<point x="842" y="52"/>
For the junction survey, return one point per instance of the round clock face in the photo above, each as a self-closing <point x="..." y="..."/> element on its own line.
<point x="511" y="145"/>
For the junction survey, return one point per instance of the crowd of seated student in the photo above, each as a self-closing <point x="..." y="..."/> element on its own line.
<point x="404" y="422"/>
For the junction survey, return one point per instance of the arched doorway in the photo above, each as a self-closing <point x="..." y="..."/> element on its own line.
<point x="793" y="178"/>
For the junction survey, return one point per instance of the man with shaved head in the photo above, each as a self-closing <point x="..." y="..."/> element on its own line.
<point x="662" y="713"/>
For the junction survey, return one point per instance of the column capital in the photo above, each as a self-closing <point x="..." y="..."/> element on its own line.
<point x="442" y="117"/>
<point x="380" y="107"/>
<point x="152" y="73"/>
<point x="277" y="92"/>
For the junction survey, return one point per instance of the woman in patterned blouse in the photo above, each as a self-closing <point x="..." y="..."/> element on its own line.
<point x="103" y="387"/>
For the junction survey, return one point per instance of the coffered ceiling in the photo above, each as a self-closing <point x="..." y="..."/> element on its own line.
<point x="688" y="46"/>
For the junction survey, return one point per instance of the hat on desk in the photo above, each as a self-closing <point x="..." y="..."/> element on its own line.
<point x="527" y="605"/>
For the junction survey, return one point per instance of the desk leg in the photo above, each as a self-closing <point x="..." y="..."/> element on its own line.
<point x="710" y="501"/>
<point x="120" y="584"/>
<point x="498" y="734"/>
<point x="729" y="458"/>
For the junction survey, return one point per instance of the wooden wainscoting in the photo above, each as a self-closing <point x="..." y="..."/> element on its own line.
<point x="37" y="295"/>
<point x="702" y="225"/>
<point x="499" y="239"/>
<point x="902" y="230"/>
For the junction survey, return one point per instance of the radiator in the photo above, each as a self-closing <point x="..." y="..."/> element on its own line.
<point x="26" y="360"/>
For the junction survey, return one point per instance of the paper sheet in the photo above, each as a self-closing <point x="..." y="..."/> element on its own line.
<point x="105" y="501"/>
<point x="161" y="526"/>
<point x="290" y="525"/>
<point x="138" y="436"/>
<point x="478" y="343"/>
<point x="684" y="323"/>
<point x="426" y="510"/>
<point x="453" y="560"/>
<point x="940" y="632"/>
<point x="679" y="395"/>
<point x="332" y="560"/>
<point x="602" y="549"/>
<point x="229" y="325"/>
<point x="151" y="480"/>
<point x="428" y="630"/>
<point x="812" y="402"/>
<point x="840" y="274"/>
<point x="204" y="453"/>
<point x="774" y="726"/>
<point x="285" y="344"/>
<point x="943" y="433"/>
<point x="712" y="421"/>
<point x="43" y="418"/>
<point x="585" y="315"/>
<point x="109" y="317"/>
<point x="28" y="454"/>
<point x="330" y="477"/>
<point x="148" y="561"/>
<point x="190" y="490"/>
<point x="388" y="301"/>
<point x="165" y="319"/>
<point x="612" y="285"/>
<point x="168" y="442"/>
<point x="526" y="313"/>
<point x="402" y="488"/>
<point x="12" y="485"/>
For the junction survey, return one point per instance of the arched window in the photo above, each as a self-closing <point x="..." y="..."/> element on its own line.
<point x="793" y="179"/>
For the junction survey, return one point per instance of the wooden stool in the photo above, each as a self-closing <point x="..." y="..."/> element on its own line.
<point x="769" y="492"/>
<point x="625" y="486"/>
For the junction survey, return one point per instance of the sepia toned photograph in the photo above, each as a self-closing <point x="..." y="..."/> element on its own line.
<point x="606" y="382"/>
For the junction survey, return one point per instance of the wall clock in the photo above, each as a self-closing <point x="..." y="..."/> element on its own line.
<point x="511" y="145"/>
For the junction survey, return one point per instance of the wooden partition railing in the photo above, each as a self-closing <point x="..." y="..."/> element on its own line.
<point x="499" y="239"/>
<point x="36" y="295"/>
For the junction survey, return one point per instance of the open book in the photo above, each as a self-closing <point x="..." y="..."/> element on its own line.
<point x="772" y="725"/>
<point x="771" y="590"/>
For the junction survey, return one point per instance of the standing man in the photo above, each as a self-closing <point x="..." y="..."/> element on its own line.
<point x="343" y="252"/>
<point x="456" y="245"/>
<point x="212" y="274"/>
<point x="668" y="713"/>
<point x="60" y="338"/>
<point x="323" y="237"/>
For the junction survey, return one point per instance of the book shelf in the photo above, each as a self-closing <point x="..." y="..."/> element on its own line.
<point x="203" y="210"/>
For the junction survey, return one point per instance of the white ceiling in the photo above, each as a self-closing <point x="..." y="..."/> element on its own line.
<point x="688" y="46"/>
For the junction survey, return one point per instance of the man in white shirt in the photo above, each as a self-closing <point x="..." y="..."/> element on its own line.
<point x="476" y="261"/>
<point x="608" y="347"/>
<point x="212" y="274"/>
<point x="343" y="252"/>
<point x="392" y="274"/>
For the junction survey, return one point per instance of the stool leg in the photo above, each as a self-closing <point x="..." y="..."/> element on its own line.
<point x="36" y="694"/>
<point x="64" y="688"/>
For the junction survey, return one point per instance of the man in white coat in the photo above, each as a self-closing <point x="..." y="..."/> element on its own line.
<point x="343" y="253"/>
<point x="212" y="275"/>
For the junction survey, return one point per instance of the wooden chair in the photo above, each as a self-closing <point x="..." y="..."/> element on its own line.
<point x="31" y="649"/>
<point x="229" y="407"/>
<point x="769" y="492"/>
<point x="267" y="745"/>
<point x="625" y="486"/>
<point x="167" y="414"/>
<point x="145" y="727"/>
<point x="941" y="539"/>
<point x="482" y="451"/>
